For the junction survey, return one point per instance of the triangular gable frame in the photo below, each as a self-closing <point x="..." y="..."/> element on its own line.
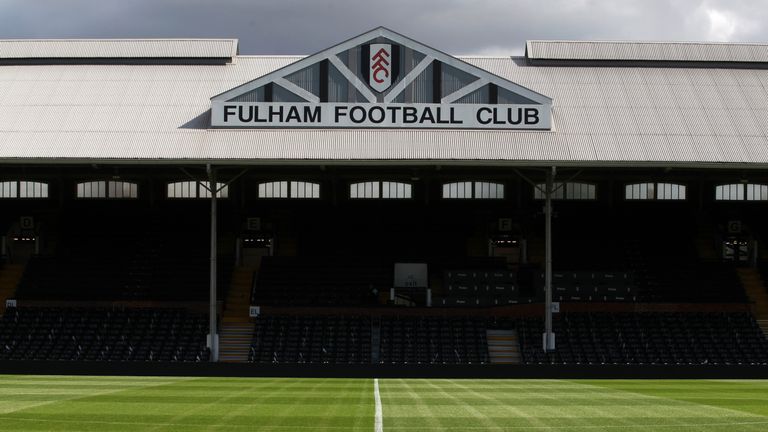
<point x="484" y="77"/>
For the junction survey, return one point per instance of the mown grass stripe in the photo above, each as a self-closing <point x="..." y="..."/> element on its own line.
<point x="126" y="404"/>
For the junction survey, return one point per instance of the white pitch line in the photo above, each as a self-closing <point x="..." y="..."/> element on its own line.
<point x="378" y="423"/>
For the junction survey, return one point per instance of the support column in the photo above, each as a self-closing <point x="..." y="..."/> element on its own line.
<point x="213" y="342"/>
<point x="548" y="337"/>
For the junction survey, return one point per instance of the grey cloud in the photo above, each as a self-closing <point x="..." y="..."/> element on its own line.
<point x="455" y="26"/>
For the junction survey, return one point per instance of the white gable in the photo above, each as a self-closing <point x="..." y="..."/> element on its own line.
<point x="381" y="79"/>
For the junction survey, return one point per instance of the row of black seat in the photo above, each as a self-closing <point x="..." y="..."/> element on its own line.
<point x="103" y="334"/>
<point x="433" y="340"/>
<point x="311" y="339"/>
<point x="647" y="338"/>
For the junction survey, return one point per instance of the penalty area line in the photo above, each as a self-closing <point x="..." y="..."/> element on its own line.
<point x="378" y="422"/>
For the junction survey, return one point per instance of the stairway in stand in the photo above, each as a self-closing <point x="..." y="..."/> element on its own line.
<point x="236" y="326"/>
<point x="503" y="347"/>
<point x="10" y="275"/>
<point x="758" y="295"/>
<point x="763" y="323"/>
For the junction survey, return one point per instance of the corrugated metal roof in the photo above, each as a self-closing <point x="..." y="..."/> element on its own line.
<point x="117" y="48"/>
<point x="646" y="51"/>
<point x="603" y="116"/>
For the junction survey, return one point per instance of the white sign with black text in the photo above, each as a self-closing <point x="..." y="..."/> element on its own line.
<point x="370" y="115"/>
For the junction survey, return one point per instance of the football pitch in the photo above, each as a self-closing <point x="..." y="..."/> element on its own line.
<point x="67" y="403"/>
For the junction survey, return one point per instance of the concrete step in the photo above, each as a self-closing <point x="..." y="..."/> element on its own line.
<point x="235" y="327"/>
<point x="503" y="347"/>
<point x="763" y="323"/>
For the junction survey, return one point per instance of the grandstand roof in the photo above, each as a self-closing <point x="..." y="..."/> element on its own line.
<point x="116" y="48"/>
<point x="647" y="51"/>
<point x="603" y="115"/>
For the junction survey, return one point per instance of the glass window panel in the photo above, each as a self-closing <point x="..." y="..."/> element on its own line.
<point x="757" y="192"/>
<point x="729" y="192"/>
<point x="118" y="189"/>
<point x="487" y="190"/>
<point x="301" y="189"/>
<point x="395" y="190"/>
<point x="364" y="190"/>
<point x="185" y="189"/>
<point x="203" y="191"/>
<point x="670" y="191"/>
<point x="96" y="189"/>
<point x="579" y="191"/>
<point x="8" y="189"/>
<point x="277" y="189"/>
<point x="458" y="190"/>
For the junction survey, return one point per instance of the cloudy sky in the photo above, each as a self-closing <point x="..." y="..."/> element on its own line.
<point x="487" y="27"/>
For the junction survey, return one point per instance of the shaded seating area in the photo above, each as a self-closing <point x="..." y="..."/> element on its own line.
<point x="133" y="256"/>
<point x="660" y="338"/>
<point x="78" y="334"/>
<point x="433" y="340"/>
<point x="319" y="281"/>
<point x="311" y="339"/>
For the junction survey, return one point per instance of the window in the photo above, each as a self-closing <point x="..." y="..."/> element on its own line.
<point x="567" y="191"/>
<point x="741" y="192"/>
<point x="289" y="189"/>
<point x="23" y="189"/>
<point x="757" y="192"/>
<point x="476" y="190"/>
<point x="305" y="190"/>
<point x="111" y="189"/>
<point x="654" y="191"/>
<point x="396" y="190"/>
<point x="385" y="190"/>
<point x="195" y="189"/>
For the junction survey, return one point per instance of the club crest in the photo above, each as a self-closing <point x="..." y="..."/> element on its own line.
<point x="380" y="67"/>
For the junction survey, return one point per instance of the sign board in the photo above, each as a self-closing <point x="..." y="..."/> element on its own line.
<point x="411" y="275"/>
<point x="374" y="115"/>
<point x="254" y="311"/>
<point x="10" y="303"/>
<point x="505" y="224"/>
<point x="378" y="71"/>
<point x="555" y="307"/>
<point x="27" y="223"/>
<point x="253" y="224"/>
<point x="734" y="227"/>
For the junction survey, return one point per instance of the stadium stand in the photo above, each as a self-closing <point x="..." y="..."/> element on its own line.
<point x="95" y="334"/>
<point x="104" y="142"/>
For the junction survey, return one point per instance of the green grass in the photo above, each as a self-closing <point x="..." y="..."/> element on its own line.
<point x="61" y="403"/>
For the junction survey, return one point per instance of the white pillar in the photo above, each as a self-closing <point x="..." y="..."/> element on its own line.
<point x="549" y="337"/>
<point x="213" y="341"/>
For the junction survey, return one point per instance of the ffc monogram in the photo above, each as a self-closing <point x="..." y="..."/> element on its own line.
<point x="380" y="73"/>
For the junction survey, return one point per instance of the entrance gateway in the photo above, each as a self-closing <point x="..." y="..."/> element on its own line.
<point x="382" y="79"/>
